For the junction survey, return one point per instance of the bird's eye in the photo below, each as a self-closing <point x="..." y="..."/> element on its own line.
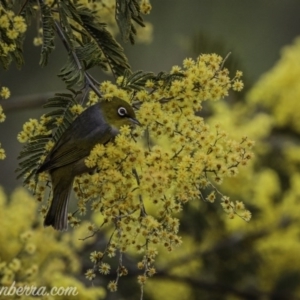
<point x="122" y="111"/>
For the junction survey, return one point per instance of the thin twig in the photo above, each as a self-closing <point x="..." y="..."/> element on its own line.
<point x="23" y="6"/>
<point x="120" y="258"/>
<point x="224" y="60"/>
<point x="142" y="292"/>
<point x="143" y="210"/>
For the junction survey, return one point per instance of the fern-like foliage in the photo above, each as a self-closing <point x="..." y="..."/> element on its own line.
<point x="28" y="10"/>
<point x="79" y="60"/>
<point x="167" y="78"/>
<point x="92" y="46"/>
<point x="17" y="55"/>
<point x="5" y="61"/>
<point x="136" y="81"/>
<point x="48" y="32"/>
<point x="30" y="155"/>
<point x="35" y="148"/>
<point x="62" y="102"/>
<point x="67" y="10"/>
<point x="72" y="73"/>
<point x="111" y="49"/>
<point x="126" y="11"/>
<point x="87" y="41"/>
<point x="90" y="54"/>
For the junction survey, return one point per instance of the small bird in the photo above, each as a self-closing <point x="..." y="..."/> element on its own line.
<point x="98" y="124"/>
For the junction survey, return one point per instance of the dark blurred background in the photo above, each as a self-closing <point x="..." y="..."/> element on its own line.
<point x="254" y="31"/>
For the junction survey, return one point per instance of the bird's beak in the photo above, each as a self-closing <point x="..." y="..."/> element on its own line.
<point x="135" y="121"/>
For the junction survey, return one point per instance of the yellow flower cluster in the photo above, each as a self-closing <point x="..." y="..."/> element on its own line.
<point x="76" y="109"/>
<point x="173" y="158"/>
<point x="237" y="208"/>
<point x="4" y="94"/>
<point x="11" y="27"/>
<point x="33" y="256"/>
<point x="2" y="115"/>
<point x="278" y="90"/>
<point x="32" y="128"/>
<point x="2" y="153"/>
<point x="145" y="7"/>
<point x="145" y="176"/>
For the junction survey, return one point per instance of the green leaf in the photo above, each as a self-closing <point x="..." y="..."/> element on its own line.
<point x="60" y="100"/>
<point x="67" y="8"/>
<point x="48" y="33"/>
<point x="43" y="138"/>
<point x="91" y="55"/>
<point x="28" y="10"/>
<point x="72" y="73"/>
<point x="137" y="80"/>
<point x="5" y="61"/>
<point x="18" y="56"/>
<point x="29" y="161"/>
<point x="168" y="78"/>
<point x="31" y="148"/>
<point x="55" y="113"/>
<point x="30" y="169"/>
<point x="126" y="11"/>
<point x="111" y="49"/>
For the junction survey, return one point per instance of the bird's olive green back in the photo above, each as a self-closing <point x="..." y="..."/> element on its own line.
<point x="87" y="130"/>
<point x="98" y="124"/>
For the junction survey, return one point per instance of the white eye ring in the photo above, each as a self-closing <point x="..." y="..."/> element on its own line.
<point x="122" y="111"/>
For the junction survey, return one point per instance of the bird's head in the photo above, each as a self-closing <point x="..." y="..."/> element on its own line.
<point x="118" y="112"/>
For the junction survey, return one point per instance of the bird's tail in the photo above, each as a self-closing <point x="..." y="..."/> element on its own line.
<point x="57" y="215"/>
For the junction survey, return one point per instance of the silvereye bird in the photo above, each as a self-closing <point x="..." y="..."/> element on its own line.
<point x="98" y="124"/>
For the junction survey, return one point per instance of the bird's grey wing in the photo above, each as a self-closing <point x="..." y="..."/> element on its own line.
<point x="73" y="150"/>
<point x="79" y="139"/>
